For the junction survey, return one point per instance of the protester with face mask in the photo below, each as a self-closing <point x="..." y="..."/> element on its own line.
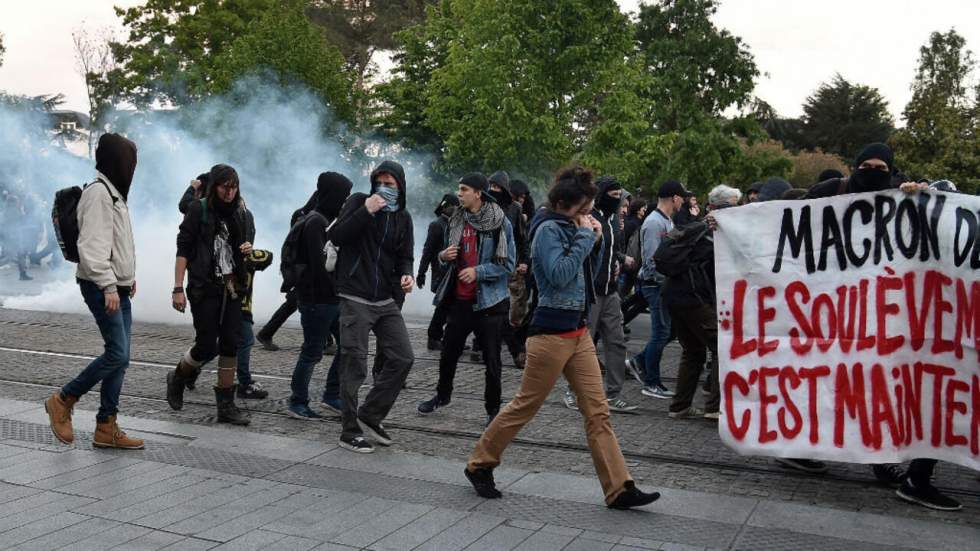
<point x="107" y="279"/>
<point x="872" y="171"/>
<point x="513" y="333"/>
<point x="375" y="237"/>
<point x="211" y="247"/>
<point x="434" y="242"/>
<point x="562" y="240"/>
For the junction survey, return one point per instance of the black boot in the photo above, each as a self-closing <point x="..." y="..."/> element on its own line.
<point x="228" y="412"/>
<point x="175" y="389"/>
<point x="191" y="379"/>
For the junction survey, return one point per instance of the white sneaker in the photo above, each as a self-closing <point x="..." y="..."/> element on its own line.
<point x="659" y="391"/>
<point x="569" y="400"/>
<point x="621" y="406"/>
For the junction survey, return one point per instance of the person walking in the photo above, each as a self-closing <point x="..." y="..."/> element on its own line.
<point x="562" y="240"/>
<point x="107" y="280"/>
<point x="434" y="240"/>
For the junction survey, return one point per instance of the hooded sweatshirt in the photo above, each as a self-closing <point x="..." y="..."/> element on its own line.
<point x="605" y="211"/>
<point x="513" y="211"/>
<point x="106" y="249"/>
<point x="376" y="250"/>
<point x="317" y="285"/>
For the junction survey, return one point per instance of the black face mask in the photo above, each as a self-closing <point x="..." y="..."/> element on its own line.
<point x="870" y="179"/>
<point x="502" y="197"/>
<point x="449" y="211"/>
<point x="607" y="204"/>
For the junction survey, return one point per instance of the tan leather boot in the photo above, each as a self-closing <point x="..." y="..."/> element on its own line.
<point x="59" y="416"/>
<point x="108" y="435"/>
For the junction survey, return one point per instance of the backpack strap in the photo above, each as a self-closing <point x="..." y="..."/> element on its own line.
<point x="106" y="186"/>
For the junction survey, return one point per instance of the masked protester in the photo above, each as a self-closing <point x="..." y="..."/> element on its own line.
<point x="559" y="343"/>
<point x="316" y="290"/>
<point x="514" y="333"/>
<point x="873" y="170"/>
<point x="107" y="279"/>
<point x="212" y="245"/>
<point x="375" y="236"/>
<point x="606" y="315"/>
<point x="434" y="241"/>
<point x="479" y="255"/>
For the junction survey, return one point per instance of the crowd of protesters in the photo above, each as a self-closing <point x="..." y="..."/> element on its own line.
<point x="550" y="283"/>
<point x="26" y="237"/>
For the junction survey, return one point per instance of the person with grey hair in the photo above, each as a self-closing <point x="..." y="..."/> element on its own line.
<point x="722" y="196"/>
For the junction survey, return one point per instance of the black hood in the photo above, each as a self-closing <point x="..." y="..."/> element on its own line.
<point x="396" y="170"/>
<point x="519" y="187"/>
<point x="332" y="189"/>
<point x="115" y="157"/>
<point x="876" y="151"/>
<point x="773" y="189"/>
<point x="448" y="200"/>
<point x="502" y="179"/>
<point x="603" y="203"/>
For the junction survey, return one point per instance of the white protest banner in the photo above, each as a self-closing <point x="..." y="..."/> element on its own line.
<point x="849" y="327"/>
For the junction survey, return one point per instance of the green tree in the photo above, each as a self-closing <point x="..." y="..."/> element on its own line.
<point x="285" y="44"/>
<point x="173" y="46"/>
<point x="842" y="117"/>
<point x="699" y="70"/>
<point x="941" y="138"/>
<point x="788" y="131"/>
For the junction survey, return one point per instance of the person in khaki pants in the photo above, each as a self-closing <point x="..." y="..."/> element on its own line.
<point x="559" y="342"/>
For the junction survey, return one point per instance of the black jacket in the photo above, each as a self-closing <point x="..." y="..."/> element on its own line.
<point x="316" y="285"/>
<point x="684" y="217"/>
<point x="195" y="242"/>
<point x="375" y="249"/>
<point x="433" y="246"/>
<point x="613" y="249"/>
<point x="697" y="285"/>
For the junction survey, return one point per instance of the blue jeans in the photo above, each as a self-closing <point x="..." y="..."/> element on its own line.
<point x="245" y="353"/>
<point x="110" y="367"/>
<point x="316" y="320"/>
<point x="331" y="390"/>
<point x="659" y="335"/>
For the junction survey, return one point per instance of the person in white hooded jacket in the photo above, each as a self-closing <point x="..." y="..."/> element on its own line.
<point x="107" y="279"/>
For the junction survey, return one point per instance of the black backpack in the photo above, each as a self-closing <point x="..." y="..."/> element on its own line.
<point x="292" y="261"/>
<point x="673" y="256"/>
<point x="64" y="216"/>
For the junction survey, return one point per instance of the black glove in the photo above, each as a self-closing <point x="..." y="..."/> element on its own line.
<point x="420" y="280"/>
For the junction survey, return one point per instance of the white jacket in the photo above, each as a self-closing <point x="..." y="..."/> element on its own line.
<point x="106" y="249"/>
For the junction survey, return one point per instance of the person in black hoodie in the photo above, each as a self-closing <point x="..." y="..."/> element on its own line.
<point x="375" y="236"/>
<point x="606" y="315"/>
<point x="514" y="334"/>
<point x="433" y="245"/>
<point x="211" y="246"/>
<point x="316" y="293"/>
<point x="873" y="170"/>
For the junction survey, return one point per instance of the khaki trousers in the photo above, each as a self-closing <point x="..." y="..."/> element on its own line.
<point x="549" y="356"/>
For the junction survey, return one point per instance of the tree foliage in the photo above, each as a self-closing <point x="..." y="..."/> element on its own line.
<point x="286" y="45"/>
<point x="807" y="166"/>
<point x="842" y="117"/>
<point x="941" y="138"/>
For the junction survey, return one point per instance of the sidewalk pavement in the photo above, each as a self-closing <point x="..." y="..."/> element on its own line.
<point x="196" y="487"/>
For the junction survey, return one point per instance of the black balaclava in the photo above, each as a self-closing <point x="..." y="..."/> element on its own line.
<point x="502" y="197"/>
<point x="449" y="202"/>
<point x="607" y="205"/>
<point x="115" y="157"/>
<point x="332" y="189"/>
<point x="219" y="175"/>
<point x="872" y="179"/>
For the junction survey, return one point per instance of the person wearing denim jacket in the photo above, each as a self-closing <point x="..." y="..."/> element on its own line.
<point x="479" y="256"/>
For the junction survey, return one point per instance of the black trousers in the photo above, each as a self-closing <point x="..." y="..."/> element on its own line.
<point x="437" y="326"/>
<point x="217" y="322"/>
<point x="920" y="472"/>
<point x="488" y="325"/>
<point x="287" y="309"/>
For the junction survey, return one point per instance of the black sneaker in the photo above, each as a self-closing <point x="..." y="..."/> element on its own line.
<point x="434" y="345"/>
<point x="490" y="418"/>
<point x="631" y="496"/>
<point x="375" y="432"/>
<point x="267" y="344"/>
<point x="927" y="496"/>
<point x="356" y="444"/>
<point x="805" y="465"/>
<point x="429" y="406"/>
<point x="252" y="391"/>
<point x="482" y="481"/>
<point x="889" y="474"/>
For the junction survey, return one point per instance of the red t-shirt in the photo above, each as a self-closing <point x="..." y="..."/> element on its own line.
<point x="467" y="258"/>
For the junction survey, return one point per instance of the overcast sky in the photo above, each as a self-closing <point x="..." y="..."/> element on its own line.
<point x="797" y="43"/>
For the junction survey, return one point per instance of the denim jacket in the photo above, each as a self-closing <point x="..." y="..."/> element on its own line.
<point x="491" y="277"/>
<point x="557" y="253"/>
